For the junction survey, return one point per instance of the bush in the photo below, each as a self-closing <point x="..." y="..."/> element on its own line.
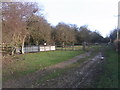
<point x="117" y="45"/>
<point x="6" y="51"/>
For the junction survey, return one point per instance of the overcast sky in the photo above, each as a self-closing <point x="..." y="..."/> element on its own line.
<point x="99" y="15"/>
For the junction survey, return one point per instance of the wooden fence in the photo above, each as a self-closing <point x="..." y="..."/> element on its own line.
<point x="29" y="49"/>
<point x="38" y="48"/>
<point x="51" y="48"/>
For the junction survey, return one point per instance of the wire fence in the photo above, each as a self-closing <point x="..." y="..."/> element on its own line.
<point x="69" y="47"/>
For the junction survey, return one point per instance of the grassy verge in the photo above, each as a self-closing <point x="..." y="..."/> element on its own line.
<point x="31" y="62"/>
<point x="109" y="79"/>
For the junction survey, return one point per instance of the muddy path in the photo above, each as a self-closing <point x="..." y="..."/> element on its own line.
<point x="80" y="77"/>
<point x="74" y="78"/>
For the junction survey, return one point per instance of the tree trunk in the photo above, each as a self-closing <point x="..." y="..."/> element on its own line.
<point x="13" y="51"/>
<point x="84" y="46"/>
<point x="63" y="44"/>
<point x="22" y="48"/>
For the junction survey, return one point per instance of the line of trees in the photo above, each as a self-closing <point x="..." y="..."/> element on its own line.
<point x="24" y="24"/>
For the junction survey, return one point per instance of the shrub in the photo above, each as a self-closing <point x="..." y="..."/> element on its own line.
<point x="117" y="45"/>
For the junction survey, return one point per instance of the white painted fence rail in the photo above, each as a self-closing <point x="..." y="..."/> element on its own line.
<point x="38" y="48"/>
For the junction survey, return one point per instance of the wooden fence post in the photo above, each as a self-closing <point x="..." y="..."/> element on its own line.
<point x="38" y="49"/>
<point x="50" y="48"/>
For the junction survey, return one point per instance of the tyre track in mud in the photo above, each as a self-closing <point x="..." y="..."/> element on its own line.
<point x="81" y="77"/>
<point x="88" y="76"/>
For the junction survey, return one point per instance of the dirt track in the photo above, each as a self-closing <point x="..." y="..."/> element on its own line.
<point x="80" y="77"/>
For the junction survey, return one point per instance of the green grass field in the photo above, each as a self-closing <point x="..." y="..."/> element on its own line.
<point x="109" y="79"/>
<point x="31" y="62"/>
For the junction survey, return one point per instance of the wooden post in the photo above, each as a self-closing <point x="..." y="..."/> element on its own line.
<point x="73" y="46"/>
<point x="38" y="48"/>
<point x="49" y="48"/>
<point x="84" y="46"/>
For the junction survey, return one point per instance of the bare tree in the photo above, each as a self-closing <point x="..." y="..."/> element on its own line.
<point x="14" y="19"/>
<point x="39" y="29"/>
<point x="64" y="33"/>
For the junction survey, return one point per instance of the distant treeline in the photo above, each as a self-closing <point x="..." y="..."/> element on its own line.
<point x="23" y="23"/>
